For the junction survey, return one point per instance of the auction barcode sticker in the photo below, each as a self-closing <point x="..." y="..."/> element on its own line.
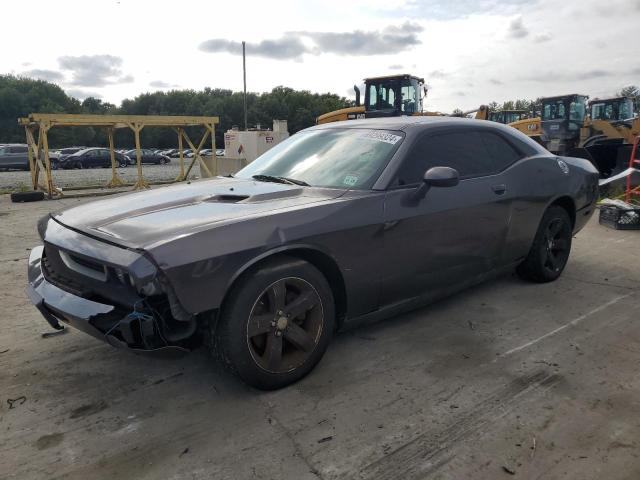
<point x="382" y="136"/>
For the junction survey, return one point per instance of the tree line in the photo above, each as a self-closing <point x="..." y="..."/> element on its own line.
<point x="20" y="96"/>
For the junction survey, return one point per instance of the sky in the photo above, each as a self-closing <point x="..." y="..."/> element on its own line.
<point x="469" y="52"/>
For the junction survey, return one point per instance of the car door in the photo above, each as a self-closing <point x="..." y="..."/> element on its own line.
<point x="453" y="234"/>
<point x="5" y="157"/>
<point x="88" y="159"/>
<point x="21" y="156"/>
<point x="104" y="158"/>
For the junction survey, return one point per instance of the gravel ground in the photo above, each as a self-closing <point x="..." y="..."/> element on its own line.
<point x="505" y="380"/>
<point x="98" y="176"/>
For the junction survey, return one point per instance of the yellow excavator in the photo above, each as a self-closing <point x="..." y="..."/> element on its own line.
<point x="388" y="96"/>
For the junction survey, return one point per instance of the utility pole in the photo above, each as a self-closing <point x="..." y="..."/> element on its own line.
<point x="244" y="79"/>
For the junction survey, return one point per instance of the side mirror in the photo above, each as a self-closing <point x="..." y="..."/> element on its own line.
<point x="437" y="177"/>
<point x="441" y="177"/>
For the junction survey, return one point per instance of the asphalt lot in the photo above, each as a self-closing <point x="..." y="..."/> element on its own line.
<point x="538" y="380"/>
<point x="99" y="176"/>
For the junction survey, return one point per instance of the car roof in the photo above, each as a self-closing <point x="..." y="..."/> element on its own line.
<point x="405" y="123"/>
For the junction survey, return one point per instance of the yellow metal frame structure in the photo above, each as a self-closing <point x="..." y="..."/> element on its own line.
<point x="37" y="126"/>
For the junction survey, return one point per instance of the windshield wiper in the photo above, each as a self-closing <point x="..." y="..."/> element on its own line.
<point x="276" y="179"/>
<point x="302" y="183"/>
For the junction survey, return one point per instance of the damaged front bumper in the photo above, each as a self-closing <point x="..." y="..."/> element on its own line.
<point x="105" y="322"/>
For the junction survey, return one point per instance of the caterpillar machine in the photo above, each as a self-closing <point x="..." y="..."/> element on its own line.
<point x="389" y="96"/>
<point x="520" y="120"/>
<point x="601" y="131"/>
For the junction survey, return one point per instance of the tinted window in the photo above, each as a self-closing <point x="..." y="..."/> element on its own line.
<point x="18" y="149"/>
<point x="463" y="151"/>
<point x="499" y="150"/>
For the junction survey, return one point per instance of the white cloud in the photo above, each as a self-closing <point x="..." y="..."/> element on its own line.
<point x="517" y="28"/>
<point x="506" y="49"/>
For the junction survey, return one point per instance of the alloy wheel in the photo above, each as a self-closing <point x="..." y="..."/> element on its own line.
<point x="556" y="245"/>
<point x="285" y="325"/>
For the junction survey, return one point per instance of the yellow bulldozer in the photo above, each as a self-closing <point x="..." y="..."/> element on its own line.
<point x="601" y="131"/>
<point x="388" y="96"/>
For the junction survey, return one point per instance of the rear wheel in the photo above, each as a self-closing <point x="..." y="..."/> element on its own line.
<point x="276" y="323"/>
<point x="551" y="247"/>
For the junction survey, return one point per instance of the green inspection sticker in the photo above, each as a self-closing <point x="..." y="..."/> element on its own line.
<point x="350" y="180"/>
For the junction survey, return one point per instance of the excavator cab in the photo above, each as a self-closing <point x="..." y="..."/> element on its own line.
<point x="611" y="109"/>
<point x="562" y="119"/>
<point x="507" y="116"/>
<point x="392" y="96"/>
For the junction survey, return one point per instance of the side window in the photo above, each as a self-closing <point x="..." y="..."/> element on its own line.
<point x="500" y="151"/>
<point x="373" y="96"/>
<point x="464" y="151"/>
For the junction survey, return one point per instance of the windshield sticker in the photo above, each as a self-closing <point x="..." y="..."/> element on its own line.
<point x="382" y="136"/>
<point x="350" y="180"/>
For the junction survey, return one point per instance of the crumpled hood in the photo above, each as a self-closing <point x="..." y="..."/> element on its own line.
<point x="140" y="219"/>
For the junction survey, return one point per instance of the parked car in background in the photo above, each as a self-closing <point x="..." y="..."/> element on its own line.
<point x="263" y="267"/>
<point x="220" y="152"/>
<point x="148" y="156"/>
<point x="205" y="151"/>
<point x="14" y="156"/>
<point x="92" y="158"/>
<point x="65" y="152"/>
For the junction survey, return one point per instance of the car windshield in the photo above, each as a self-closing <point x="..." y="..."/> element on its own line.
<point x="334" y="158"/>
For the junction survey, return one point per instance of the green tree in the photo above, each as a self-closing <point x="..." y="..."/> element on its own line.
<point x="632" y="92"/>
<point x="21" y="96"/>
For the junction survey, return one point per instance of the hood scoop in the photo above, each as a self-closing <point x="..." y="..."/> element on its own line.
<point x="227" y="198"/>
<point x="232" y="197"/>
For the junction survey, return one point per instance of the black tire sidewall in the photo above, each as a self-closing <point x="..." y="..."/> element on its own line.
<point x="21" y="197"/>
<point x="230" y="341"/>
<point x="533" y="267"/>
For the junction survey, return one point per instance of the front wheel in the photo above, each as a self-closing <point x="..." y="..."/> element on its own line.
<point x="276" y="323"/>
<point x="551" y="247"/>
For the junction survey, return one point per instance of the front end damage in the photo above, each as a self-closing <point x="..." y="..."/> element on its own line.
<point x="115" y="294"/>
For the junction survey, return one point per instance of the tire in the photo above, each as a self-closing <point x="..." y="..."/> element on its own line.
<point x="551" y="247"/>
<point x="265" y="349"/>
<point x="79" y="165"/>
<point x="20" y="197"/>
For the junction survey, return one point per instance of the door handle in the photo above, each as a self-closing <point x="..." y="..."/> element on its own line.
<point x="499" y="189"/>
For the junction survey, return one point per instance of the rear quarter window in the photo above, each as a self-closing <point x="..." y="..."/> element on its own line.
<point x="502" y="153"/>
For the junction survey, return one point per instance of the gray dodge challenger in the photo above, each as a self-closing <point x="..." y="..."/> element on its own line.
<point x="341" y="223"/>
